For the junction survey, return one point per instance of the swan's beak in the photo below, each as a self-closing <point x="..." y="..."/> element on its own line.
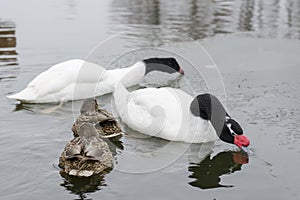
<point x="246" y="149"/>
<point x="243" y="143"/>
<point x="181" y="71"/>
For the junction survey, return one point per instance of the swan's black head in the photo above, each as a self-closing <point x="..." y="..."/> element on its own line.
<point x="168" y="65"/>
<point x="208" y="107"/>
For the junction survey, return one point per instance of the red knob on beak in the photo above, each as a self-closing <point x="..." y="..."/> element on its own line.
<point x="241" y="140"/>
<point x="181" y="71"/>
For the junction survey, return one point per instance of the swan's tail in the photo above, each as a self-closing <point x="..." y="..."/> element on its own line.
<point x="121" y="95"/>
<point x="26" y="95"/>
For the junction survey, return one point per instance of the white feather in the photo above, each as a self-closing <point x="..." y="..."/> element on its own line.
<point x="77" y="79"/>
<point x="162" y="112"/>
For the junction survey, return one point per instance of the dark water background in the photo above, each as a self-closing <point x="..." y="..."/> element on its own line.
<point x="256" y="47"/>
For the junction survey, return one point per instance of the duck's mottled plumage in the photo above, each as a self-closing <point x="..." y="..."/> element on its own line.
<point x="105" y="123"/>
<point x="86" y="154"/>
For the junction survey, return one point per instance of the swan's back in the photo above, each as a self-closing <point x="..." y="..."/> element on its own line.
<point x="164" y="113"/>
<point x="60" y="81"/>
<point x="61" y="75"/>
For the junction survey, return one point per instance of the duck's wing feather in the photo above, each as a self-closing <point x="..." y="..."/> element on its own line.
<point x="98" y="150"/>
<point x="73" y="148"/>
<point x="93" y="150"/>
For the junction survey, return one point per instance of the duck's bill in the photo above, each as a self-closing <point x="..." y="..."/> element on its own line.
<point x="246" y="150"/>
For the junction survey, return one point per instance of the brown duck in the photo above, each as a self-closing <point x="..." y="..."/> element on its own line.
<point x="106" y="125"/>
<point x="86" y="154"/>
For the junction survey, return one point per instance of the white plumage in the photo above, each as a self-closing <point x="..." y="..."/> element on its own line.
<point x="162" y="112"/>
<point x="77" y="79"/>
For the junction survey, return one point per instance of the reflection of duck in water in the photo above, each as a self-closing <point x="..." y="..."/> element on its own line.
<point x="83" y="185"/>
<point x="87" y="154"/>
<point x="207" y="173"/>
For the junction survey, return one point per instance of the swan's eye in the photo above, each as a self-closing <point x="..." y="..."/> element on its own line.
<point x="230" y="129"/>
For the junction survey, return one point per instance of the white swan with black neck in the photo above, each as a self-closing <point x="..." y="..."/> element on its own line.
<point x="78" y="79"/>
<point x="172" y="114"/>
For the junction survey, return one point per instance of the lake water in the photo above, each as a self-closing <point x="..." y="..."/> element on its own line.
<point x="254" y="44"/>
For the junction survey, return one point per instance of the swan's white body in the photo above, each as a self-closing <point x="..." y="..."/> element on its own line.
<point x="77" y="79"/>
<point x="162" y="112"/>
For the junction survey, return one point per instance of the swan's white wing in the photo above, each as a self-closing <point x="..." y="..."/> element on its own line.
<point x="63" y="74"/>
<point x="134" y="108"/>
<point x="164" y="113"/>
<point x="60" y="81"/>
<point x="156" y="112"/>
<point x="144" y="115"/>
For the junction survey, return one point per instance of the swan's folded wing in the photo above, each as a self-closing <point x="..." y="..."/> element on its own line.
<point x="64" y="74"/>
<point x="62" y="82"/>
<point x="141" y="110"/>
<point x="146" y="113"/>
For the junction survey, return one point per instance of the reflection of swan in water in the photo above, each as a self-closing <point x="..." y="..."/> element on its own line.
<point x="209" y="169"/>
<point x="55" y="109"/>
<point x="83" y="185"/>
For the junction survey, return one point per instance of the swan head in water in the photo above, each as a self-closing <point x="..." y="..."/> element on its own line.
<point x="168" y="65"/>
<point x="208" y="107"/>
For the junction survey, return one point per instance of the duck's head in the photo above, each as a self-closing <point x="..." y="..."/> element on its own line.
<point x="208" y="107"/>
<point x="88" y="106"/>
<point x="168" y="65"/>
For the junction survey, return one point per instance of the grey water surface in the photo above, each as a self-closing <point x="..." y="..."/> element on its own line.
<point x="255" y="46"/>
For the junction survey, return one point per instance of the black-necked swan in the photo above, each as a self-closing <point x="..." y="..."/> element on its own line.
<point x="174" y="115"/>
<point x="77" y="79"/>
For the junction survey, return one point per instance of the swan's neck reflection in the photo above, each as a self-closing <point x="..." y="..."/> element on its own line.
<point x="207" y="173"/>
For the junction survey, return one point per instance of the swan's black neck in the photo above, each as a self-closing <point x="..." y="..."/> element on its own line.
<point x="168" y="65"/>
<point x="208" y="107"/>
